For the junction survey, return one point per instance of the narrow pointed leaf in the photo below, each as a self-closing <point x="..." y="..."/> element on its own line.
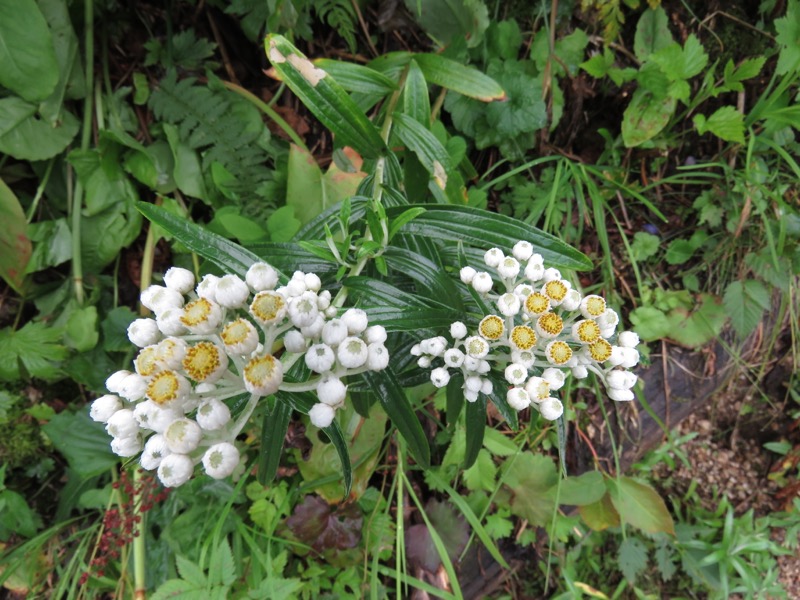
<point x="356" y="78"/>
<point x="459" y="78"/>
<point x="273" y="432"/>
<point x="416" y="101"/>
<point x="476" y="424"/>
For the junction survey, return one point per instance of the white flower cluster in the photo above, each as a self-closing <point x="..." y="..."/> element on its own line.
<point x="543" y="331"/>
<point x="215" y="341"/>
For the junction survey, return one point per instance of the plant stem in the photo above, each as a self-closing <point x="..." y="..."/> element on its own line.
<point x="139" y="572"/>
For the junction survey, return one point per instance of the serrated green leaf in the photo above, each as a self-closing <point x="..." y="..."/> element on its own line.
<point x="644" y="245"/>
<point x="665" y="561"/>
<point x="745" y="302"/>
<point x="459" y="78"/>
<point x="84" y="443"/>
<point x="177" y="589"/>
<point x="788" y="32"/>
<point x="394" y="401"/>
<point x="747" y="69"/>
<point x="498" y="444"/>
<point x="682" y="62"/>
<point x="222" y="570"/>
<point x="227" y="255"/>
<point x="599" y="64"/>
<point x="482" y="474"/>
<point x="695" y="327"/>
<point x="679" y="251"/>
<point x="324" y="97"/>
<point x="80" y="331"/>
<point x="726" y="123"/>
<point x="36" y="348"/>
<point x="640" y="505"/>
<point x="190" y="572"/>
<point x="632" y="558"/>
<point x="649" y="323"/>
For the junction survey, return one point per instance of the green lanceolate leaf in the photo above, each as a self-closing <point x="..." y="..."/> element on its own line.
<point x="422" y="320"/>
<point x="416" y="101"/>
<point x="483" y="229"/>
<point x="387" y="388"/>
<point x="324" y="97"/>
<point x="432" y="281"/>
<point x="224" y="253"/>
<point x="382" y="293"/>
<point x="476" y="424"/>
<point x="15" y="246"/>
<point x="455" y="397"/>
<point x="273" y="432"/>
<point x="356" y="78"/>
<point x="424" y="144"/>
<point x="286" y="256"/>
<point x="459" y="78"/>
<point x="645" y="117"/>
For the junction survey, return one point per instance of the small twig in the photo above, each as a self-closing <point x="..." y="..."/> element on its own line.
<point x="222" y="50"/>
<point x="666" y="383"/>
<point x="364" y="27"/>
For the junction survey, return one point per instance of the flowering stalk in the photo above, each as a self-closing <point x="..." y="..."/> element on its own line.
<point x="543" y="331"/>
<point x="215" y="341"/>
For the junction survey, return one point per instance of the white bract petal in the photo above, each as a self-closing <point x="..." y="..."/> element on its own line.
<point x="144" y="332"/>
<point x="331" y="391"/>
<point x="114" y="381"/>
<point x="433" y="346"/>
<point x="375" y="334"/>
<point x="476" y="347"/>
<point x="630" y="358"/>
<point x="207" y="288"/>
<point x="518" y="398"/>
<point x="493" y="257"/>
<point x="133" y="387"/>
<point x="509" y="304"/>
<point x="180" y="280"/>
<point x="482" y="282"/>
<point x="621" y="380"/>
<point x="312" y="282"/>
<point x="231" y="292"/>
<point x="352" y="353"/>
<point x="620" y="395"/>
<point x="551" y="274"/>
<point x="122" y="424"/>
<point x="296" y="285"/>
<point x="356" y="320"/>
<point x="261" y="276"/>
<point x="104" y="408"/>
<point x="183" y="435"/>
<point x="523" y="357"/>
<point x="202" y="316"/>
<point x="158" y="298"/>
<point x="424" y="362"/>
<point x="551" y="409"/>
<point x="294" y="341"/>
<point x="467" y="274"/>
<point x="471" y="395"/>
<point x="487" y="386"/>
<point x="554" y="377"/>
<point x="522" y="250"/>
<point x="628" y="339"/>
<point x="473" y="383"/>
<point x="334" y="332"/>
<point x="320" y="358"/>
<point x="538" y="389"/>
<point x="572" y="300"/>
<point x="169" y="321"/>
<point x="321" y="415"/>
<point x="534" y="271"/>
<point x="580" y="372"/>
<point x="440" y="377"/>
<point x="458" y="330"/>
<point x="175" y="470"/>
<point x="155" y="450"/>
<point x="213" y="415"/>
<point x="170" y="352"/>
<point x="314" y="331"/>
<point x="220" y="460"/>
<point x="126" y="446"/>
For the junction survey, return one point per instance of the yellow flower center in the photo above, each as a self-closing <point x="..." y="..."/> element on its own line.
<point x="164" y="387"/>
<point x="491" y="327"/>
<point x="196" y="312"/>
<point x="588" y="331"/>
<point x="147" y="361"/>
<point x="595" y="305"/>
<point x="201" y="361"/>
<point x="556" y="290"/>
<point x="523" y="337"/>
<point x="260" y="370"/>
<point x="537" y="303"/>
<point x="559" y="352"/>
<point x="551" y="323"/>
<point x="235" y="332"/>
<point x="267" y="306"/>
<point x="600" y="350"/>
<point x="166" y="349"/>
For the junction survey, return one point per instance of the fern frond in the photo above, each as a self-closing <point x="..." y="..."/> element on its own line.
<point x="340" y="15"/>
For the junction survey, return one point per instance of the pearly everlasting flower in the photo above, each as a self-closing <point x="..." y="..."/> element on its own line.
<point x="314" y="330"/>
<point x="207" y="288"/>
<point x="114" y="381"/>
<point x="268" y="307"/>
<point x="516" y="373"/>
<point x="320" y="358"/>
<point x="334" y="332"/>
<point x="482" y="283"/>
<point x="352" y="353"/>
<point x="453" y="357"/>
<point x="458" y="330"/>
<point x="486" y="386"/>
<point x="240" y="337"/>
<point x="538" y="389"/>
<point x="168" y="389"/>
<point x="628" y="339"/>
<point x="493" y="257"/>
<point x="151" y="416"/>
<point x="509" y="304"/>
<point x="170" y="352"/>
<point x="467" y="274"/>
<point x="476" y="347"/>
<point x="175" y="470"/>
<point x="551" y="409"/>
<point x="375" y="334"/>
<point x="205" y="362"/>
<point x="183" y="436"/>
<point x="213" y="415"/>
<point x="155" y="450"/>
<point x="179" y="280"/>
<point x="312" y="281"/>
<point x="621" y="380"/>
<point x="144" y="332"/>
<point x="303" y="310"/>
<point x="522" y="250"/>
<point x="356" y="320"/>
<point x="321" y="415"/>
<point x="158" y="298"/>
<point x="201" y="316"/>
<point x="261" y="276"/>
<point x="518" y="398"/>
<point x="263" y="375"/>
<point x="555" y="378"/>
<point x="126" y="446"/>
<point x="122" y="424"/>
<point x="331" y="391"/>
<point x="169" y="321"/>
<point x="508" y="268"/>
<point x="619" y="395"/>
<point x="440" y="377"/>
<point x="104" y="408"/>
<point x="551" y="274"/>
<point x="220" y="460"/>
<point x="133" y="387"/>
<point x="231" y="292"/>
<point x="592" y="306"/>
<point x="294" y="341"/>
<point x="433" y="346"/>
<point x="580" y="372"/>
<point x="377" y="357"/>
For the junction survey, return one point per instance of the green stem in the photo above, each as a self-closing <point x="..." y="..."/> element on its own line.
<point x="139" y="555"/>
<point x="40" y="190"/>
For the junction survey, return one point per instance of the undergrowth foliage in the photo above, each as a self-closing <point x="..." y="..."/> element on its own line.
<point x="350" y="359"/>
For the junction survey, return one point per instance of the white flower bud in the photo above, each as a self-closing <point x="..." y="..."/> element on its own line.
<point x="169" y="321"/>
<point x="621" y="380"/>
<point x="321" y="415"/>
<point x="263" y="375"/>
<point x="213" y="415"/>
<point x="572" y="300"/>
<point x="433" y="346"/>
<point x="516" y="373"/>
<point x="377" y="357"/>
<point x="183" y="436"/>
<point x="356" y="320"/>
<point x="554" y="377"/>
<point x="331" y="391"/>
<point x="312" y="282"/>
<point x="294" y="341"/>
<point x="509" y="304"/>
<point x="352" y="353"/>
<point x="518" y="398"/>
<point x="493" y="257"/>
<point x="620" y="395"/>
<point x="170" y="352"/>
<point x="470" y="395"/>
<point x="313" y="331"/>
<point x="538" y="389"/>
<point x="458" y="330"/>
<point x="630" y="358"/>
<point x="331" y="312"/>
<point x="508" y="268"/>
<point x="158" y="298"/>
<point x="303" y="310"/>
<point x="175" y="470"/>
<point x="454" y="358"/>
<point x="580" y="372"/>
<point x="482" y="282"/>
<point x="324" y="301"/>
<point x="261" y="276"/>
<point x="207" y="288"/>
<point x="220" y="460"/>
<point x="551" y="409"/>
<point x="473" y="383"/>
<point x="126" y="446"/>
<point x="534" y="271"/>
<point x="320" y="358"/>
<point x="487" y="387"/>
<point x="424" y="362"/>
<point x="483" y="367"/>
<point x="144" y="332"/>
<point x="150" y="415"/>
<point x="296" y="285"/>
<point x="440" y="377"/>
<point x="472" y="364"/>
<point x="334" y="332"/>
<point x="122" y="424"/>
<point x="522" y="250"/>
<point x="551" y="274"/>
<point x="114" y="382"/>
<point x="133" y="387"/>
<point x="628" y="339"/>
<point x="231" y="292"/>
<point x="104" y="408"/>
<point x="375" y="334"/>
<point x="180" y="280"/>
<point x="523" y="357"/>
<point x="476" y="347"/>
<point x="155" y="450"/>
<point x="467" y="274"/>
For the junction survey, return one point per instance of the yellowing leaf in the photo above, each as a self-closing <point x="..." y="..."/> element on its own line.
<point x="640" y="505"/>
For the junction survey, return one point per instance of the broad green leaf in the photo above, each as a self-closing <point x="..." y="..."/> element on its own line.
<point x="682" y="62"/>
<point x="459" y="78"/>
<point x="498" y="444"/>
<point x="645" y="117"/>
<point x="482" y="475"/>
<point x="476" y="424"/>
<point x="600" y="515"/>
<point x="105" y="234"/>
<point x="230" y="257"/>
<point x="530" y="478"/>
<point x="644" y="245"/>
<point x="115" y="329"/>
<point x="679" y="251"/>
<point x="483" y="230"/>
<point x="425" y="146"/>
<point x="35" y="347"/>
<point x="356" y="78"/>
<point x="652" y="33"/>
<point x="15" y="247"/>
<point x="448" y="21"/>
<point x="26" y="137"/>
<point x="324" y="97"/>
<point x="80" y="330"/>
<point x="581" y="490"/>
<point x="649" y="322"/>
<point x="788" y="32"/>
<point x="394" y="401"/>
<point x="30" y="68"/>
<point x="416" y="101"/>
<point x="693" y="328"/>
<point x="273" y="432"/>
<point x="52" y="244"/>
<point x="726" y="123"/>
<point x="747" y="69"/>
<point x="188" y="173"/>
<point x="229" y="222"/>
<point x="745" y="302"/>
<point x="282" y="226"/>
<point x="84" y="443"/>
<point x="640" y="505"/>
<point x="599" y="64"/>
